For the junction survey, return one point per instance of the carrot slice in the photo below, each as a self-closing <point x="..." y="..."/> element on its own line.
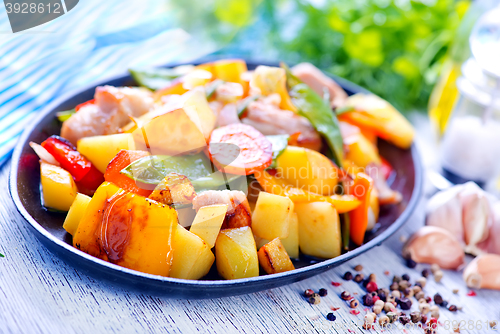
<point x="119" y="162"/>
<point x="239" y="149"/>
<point x="361" y="189"/>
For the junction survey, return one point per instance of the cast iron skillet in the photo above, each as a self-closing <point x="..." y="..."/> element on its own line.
<point x="47" y="226"/>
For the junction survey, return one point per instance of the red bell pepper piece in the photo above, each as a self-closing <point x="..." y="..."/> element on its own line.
<point x="361" y="189"/>
<point x="386" y="169"/>
<point x="81" y="105"/>
<point x="82" y="170"/>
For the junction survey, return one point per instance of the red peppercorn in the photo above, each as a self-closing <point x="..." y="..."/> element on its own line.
<point x="371" y="287"/>
<point x="453" y="308"/>
<point x="375" y="298"/>
<point x="308" y="293"/>
<point x="432" y="323"/>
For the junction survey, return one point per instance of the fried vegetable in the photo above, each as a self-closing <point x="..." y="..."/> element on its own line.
<point x="361" y="189"/>
<point x="192" y="257"/>
<point x="313" y="107"/>
<point x="58" y="187"/>
<point x="270" y="80"/>
<point x="174" y="189"/>
<point x="128" y="230"/>
<point x="157" y="78"/>
<point x="271" y="216"/>
<point x="319" y="229"/>
<point x="208" y="222"/>
<point x="273" y="257"/>
<point x="236" y="254"/>
<point x="75" y="213"/>
<point x="100" y="150"/>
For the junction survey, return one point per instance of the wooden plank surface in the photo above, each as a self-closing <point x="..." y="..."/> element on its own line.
<point x="39" y="293"/>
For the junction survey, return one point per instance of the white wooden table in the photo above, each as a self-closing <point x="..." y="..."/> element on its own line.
<point x="41" y="294"/>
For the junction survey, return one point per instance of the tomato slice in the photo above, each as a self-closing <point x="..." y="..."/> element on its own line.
<point x="239" y="149"/>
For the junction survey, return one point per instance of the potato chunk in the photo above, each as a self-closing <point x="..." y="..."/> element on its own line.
<point x="291" y="243"/>
<point x="271" y="217"/>
<point x="319" y="229"/>
<point x="174" y="189"/>
<point x="75" y="213"/>
<point x="274" y="258"/>
<point x="192" y="257"/>
<point x="128" y="230"/>
<point x="236" y="254"/>
<point x="58" y="187"/>
<point x="100" y="150"/>
<point x="208" y="222"/>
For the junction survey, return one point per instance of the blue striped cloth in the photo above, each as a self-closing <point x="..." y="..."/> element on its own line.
<point x="96" y="40"/>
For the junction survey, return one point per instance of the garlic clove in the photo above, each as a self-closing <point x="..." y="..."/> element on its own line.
<point x="492" y="244"/>
<point x="444" y="210"/>
<point x="431" y="244"/>
<point x="483" y="272"/>
<point x="476" y="216"/>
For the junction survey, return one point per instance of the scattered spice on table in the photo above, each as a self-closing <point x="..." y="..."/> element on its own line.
<point x="354" y="312"/>
<point x="323" y="292"/>
<point x="358" y="267"/>
<point x="315" y="299"/>
<point x="308" y="293"/>
<point x="336" y="283"/>
<point x="471" y="293"/>
<point x="330" y="316"/>
<point x="348" y="276"/>
<point x="333" y="308"/>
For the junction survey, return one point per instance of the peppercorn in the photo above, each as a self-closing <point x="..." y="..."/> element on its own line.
<point x="493" y="323"/>
<point x="438" y="299"/>
<point x="347" y="276"/>
<point x="453" y="308"/>
<point x="323" y="292"/>
<point x="383" y="321"/>
<point x="416" y="289"/>
<point x="435" y="267"/>
<point x="396" y="279"/>
<point x="404" y="320"/>
<point x="429" y="330"/>
<point x="415" y="317"/>
<point x="377" y="309"/>
<point x="384" y="291"/>
<point x="372" y="278"/>
<point x="394" y="286"/>
<point x="369" y="319"/>
<point x="346" y="295"/>
<point x="368" y="300"/>
<point x="405" y="303"/>
<point x="315" y="299"/>
<point x="420" y="295"/>
<point x="396" y="294"/>
<point x="424" y="308"/>
<point x="410" y="263"/>
<point x="435" y="312"/>
<point x="438" y="276"/>
<point x="371" y="286"/>
<point x="382" y="296"/>
<point x="418" y="284"/>
<point x="403" y="285"/>
<point x="365" y="282"/>
<point x="432" y="323"/>
<point x="375" y="299"/>
<point x="308" y="293"/>
<point x="358" y="267"/>
<point x="392" y="316"/>
<point x="358" y="278"/>
<point x="428" y="299"/>
<point x="391" y="299"/>
<point x="422" y="301"/>
<point x="444" y="303"/>
<point x="423" y="318"/>
<point x="455" y="291"/>
<point x="353" y="303"/>
<point x="426" y="272"/>
<point x="406" y="277"/>
<point x="374" y="293"/>
<point x="330" y="316"/>
<point x="422" y="281"/>
<point x="408" y="292"/>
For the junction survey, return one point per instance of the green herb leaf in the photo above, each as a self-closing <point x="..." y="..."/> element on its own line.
<point x="313" y="107"/>
<point x="197" y="168"/>
<point x="344" y="110"/>
<point x="157" y="78"/>
<point x="65" y="115"/>
<point x="1" y="255"/>
<point x="211" y="87"/>
<point x="243" y="104"/>
<point x="279" y="144"/>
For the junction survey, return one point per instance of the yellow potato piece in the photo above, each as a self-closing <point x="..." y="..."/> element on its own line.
<point x="58" y="187"/>
<point x="319" y="229"/>
<point x="236" y="253"/>
<point x="307" y="170"/>
<point x="291" y="243"/>
<point x="192" y="258"/>
<point x="361" y="151"/>
<point x="100" y="150"/>
<point x="128" y="230"/>
<point x="75" y="213"/>
<point x="208" y="221"/>
<point x="273" y="257"/>
<point x="271" y="217"/>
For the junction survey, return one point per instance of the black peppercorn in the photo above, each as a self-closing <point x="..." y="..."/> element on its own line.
<point x="382" y="296"/>
<point x="330" y="316"/>
<point x="394" y="286"/>
<point x="453" y="308"/>
<point x="396" y="279"/>
<point x="426" y="273"/>
<point x="308" y="293"/>
<point x="368" y="300"/>
<point x="406" y="277"/>
<point x="428" y="299"/>
<point x="418" y="284"/>
<point x="444" y="303"/>
<point x="438" y="299"/>
<point x="410" y="263"/>
<point x="358" y="278"/>
<point x="404" y="320"/>
<point x="415" y="317"/>
<point x="345" y="295"/>
<point x="348" y="276"/>
<point x="374" y="293"/>
<point x="323" y="292"/>
<point x="423" y="319"/>
<point x="405" y="303"/>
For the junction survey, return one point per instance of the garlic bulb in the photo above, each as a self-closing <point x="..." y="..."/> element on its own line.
<point x="444" y="209"/>
<point x="492" y="243"/>
<point x="433" y="244"/>
<point x="483" y="272"/>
